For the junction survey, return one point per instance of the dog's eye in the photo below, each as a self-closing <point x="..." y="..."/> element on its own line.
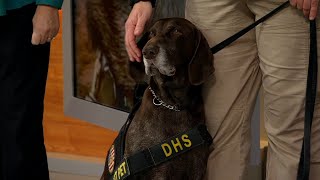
<point x="175" y="31"/>
<point x="172" y="30"/>
<point x="151" y="34"/>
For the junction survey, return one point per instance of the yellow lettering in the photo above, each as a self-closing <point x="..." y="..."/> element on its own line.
<point x="175" y="145"/>
<point x="120" y="171"/>
<point x="115" y="176"/>
<point x="187" y="141"/>
<point x="166" y="147"/>
<point x="123" y="167"/>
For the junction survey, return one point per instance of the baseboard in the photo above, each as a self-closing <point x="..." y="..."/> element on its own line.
<point x="73" y="164"/>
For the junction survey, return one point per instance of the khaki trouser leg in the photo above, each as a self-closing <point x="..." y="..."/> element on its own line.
<point x="283" y="45"/>
<point x="230" y="95"/>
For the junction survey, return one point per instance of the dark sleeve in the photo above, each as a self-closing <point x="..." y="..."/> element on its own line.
<point x="56" y="3"/>
<point x="132" y="2"/>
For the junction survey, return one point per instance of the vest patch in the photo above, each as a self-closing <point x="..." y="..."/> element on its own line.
<point x="111" y="159"/>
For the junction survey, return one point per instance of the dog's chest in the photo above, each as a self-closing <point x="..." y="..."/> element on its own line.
<point x="153" y="124"/>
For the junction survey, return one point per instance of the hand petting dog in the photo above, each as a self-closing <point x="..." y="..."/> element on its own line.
<point x="138" y="18"/>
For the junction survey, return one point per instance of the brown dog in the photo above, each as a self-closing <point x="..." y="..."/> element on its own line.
<point x="178" y="60"/>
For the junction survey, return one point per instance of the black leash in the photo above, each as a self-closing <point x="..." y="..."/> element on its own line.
<point x="304" y="163"/>
<point x="236" y="36"/>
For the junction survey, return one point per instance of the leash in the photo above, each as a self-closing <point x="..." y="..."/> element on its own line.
<point x="236" y="36"/>
<point x="304" y="162"/>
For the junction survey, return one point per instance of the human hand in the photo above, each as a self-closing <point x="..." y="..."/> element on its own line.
<point x="309" y="7"/>
<point x="138" y="18"/>
<point x="45" y="24"/>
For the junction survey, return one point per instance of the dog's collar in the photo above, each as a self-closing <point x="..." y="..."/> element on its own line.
<point x="158" y="102"/>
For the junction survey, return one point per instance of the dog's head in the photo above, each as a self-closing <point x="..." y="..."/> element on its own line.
<point x="177" y="49"/>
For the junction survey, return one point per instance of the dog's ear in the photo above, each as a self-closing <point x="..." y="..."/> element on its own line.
<point x="201" y="64"/>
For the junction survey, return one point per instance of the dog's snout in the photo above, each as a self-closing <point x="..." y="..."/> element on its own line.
<point x="150" y="52"/>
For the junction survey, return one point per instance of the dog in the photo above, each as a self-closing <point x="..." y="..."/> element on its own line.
<point x="176" y="62"/>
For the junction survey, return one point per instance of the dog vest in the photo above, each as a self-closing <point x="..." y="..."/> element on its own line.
<point x="120" y="167"/>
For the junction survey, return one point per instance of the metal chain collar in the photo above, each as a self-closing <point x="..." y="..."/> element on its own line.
<point x="158" y="102"/>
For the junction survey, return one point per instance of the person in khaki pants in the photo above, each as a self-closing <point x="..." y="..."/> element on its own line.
<point x="274" y="55"/>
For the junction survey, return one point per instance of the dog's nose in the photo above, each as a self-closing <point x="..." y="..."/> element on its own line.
<point x="150" y="52"/>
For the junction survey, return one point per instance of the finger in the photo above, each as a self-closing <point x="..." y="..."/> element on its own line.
<point x="135" y="50"/>
<point x="36" y="38"/>
<point x="44" y="35"/>
<point x="133" y="47"/>
<point x="137" y="32"/>
<point x="314" y="9"/>
<point x="139" y="27"/>
<point x="54" y="32"/>
<point x="49" y="40"/>
<point x="130" y="40"/>
<point x="299" y="4"/>
<point x="51" y="35"/>
<point x="293" y="3"/>
<point x="44" y="39"/>
<point x="306" y="7"/>
<point x="131" y="54"/>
